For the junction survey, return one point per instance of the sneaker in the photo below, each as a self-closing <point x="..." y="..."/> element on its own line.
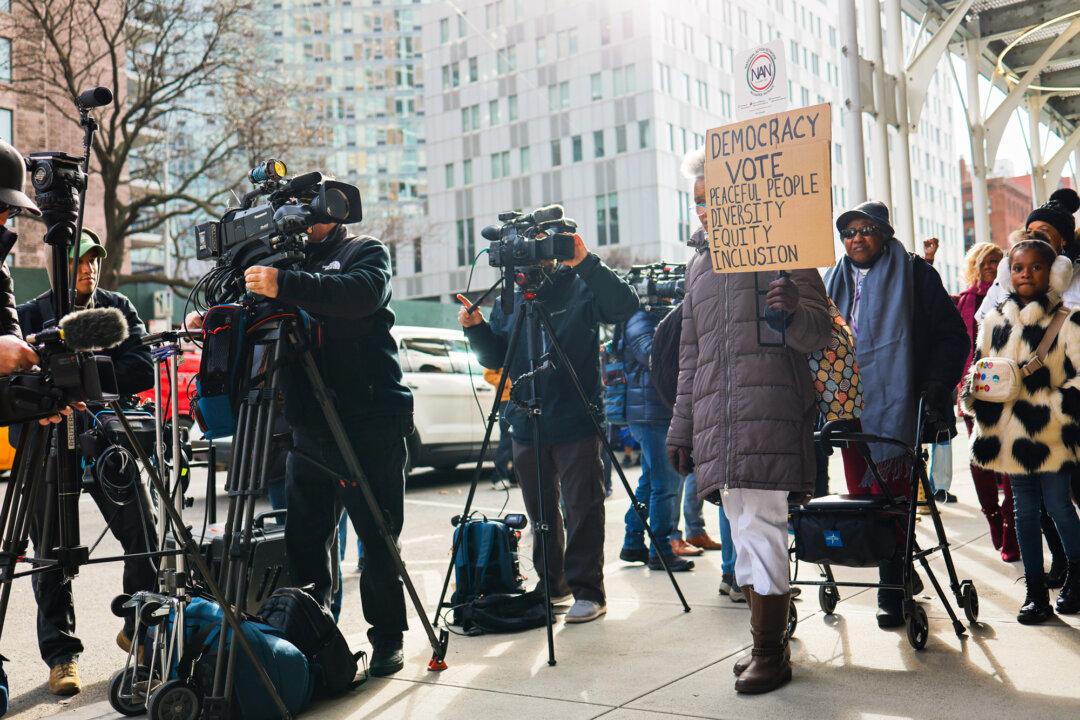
<point x="727" y="581"/>
<point x="387" y="657"/>
<point x="943" y="496"/>
<point x="64" y="678"/>
<point x="703" y="541"/>
<point x="634" y="555"/>
<point x="500" y="484"/>
<point x="583" y="611"/>
<point x="561" y="599"/>
<point x="674" y="563"/>
<point x="736" y="594"/>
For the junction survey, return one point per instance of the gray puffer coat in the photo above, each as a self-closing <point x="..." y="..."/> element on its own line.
<point x="746" y="411"/>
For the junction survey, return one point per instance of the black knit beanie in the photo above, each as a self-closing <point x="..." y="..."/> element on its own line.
<point x="1058" y="212"/>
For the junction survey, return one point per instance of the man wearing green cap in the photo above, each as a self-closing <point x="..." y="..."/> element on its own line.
<point x="131" y="523"/>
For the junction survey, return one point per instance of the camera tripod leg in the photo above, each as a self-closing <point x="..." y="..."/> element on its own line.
<point x="352" y="465"/>
<point x="565" y="363"/>
<point x="493" y="417"/>
<point x="186" y="541"/>
<point x="17" y="509"/>
<point x="532" y="330"/>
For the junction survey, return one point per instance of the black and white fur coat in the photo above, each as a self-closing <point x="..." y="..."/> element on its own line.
<point x="1040" y="431"/>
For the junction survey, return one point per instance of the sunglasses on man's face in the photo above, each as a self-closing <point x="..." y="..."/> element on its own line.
<point x="865" y="231"/>
<point x="11" y="210"/>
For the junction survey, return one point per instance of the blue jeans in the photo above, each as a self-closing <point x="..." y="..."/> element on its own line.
<point x="691" y="507"/>
<point x="727" y="549"/>
<point x="657" y="489"/>
<point x="1030" y="492"/>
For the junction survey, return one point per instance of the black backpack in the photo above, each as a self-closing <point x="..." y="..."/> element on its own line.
<point x="504" y="613"/>
<point x="664" y="357"/>
<point x="311" y="628"/>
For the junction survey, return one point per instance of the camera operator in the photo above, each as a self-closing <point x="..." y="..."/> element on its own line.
<point x="578" y="295"/>
<point x="345" y="285"/>
<point x="130" y="522"/>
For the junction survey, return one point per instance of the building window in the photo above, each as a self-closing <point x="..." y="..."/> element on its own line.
<point x="622" y="79"/>
<point x="474" y="70"/>
<point x="575" y="148"/>
<point x="541" y="50"/>
<point x="598" y="143"/>
<point x="524" y="159"/>
<point x="500" y="165"/>
<point x="558" y="96"/>
<point x="493" y="112"/>
<point x="644" y="133"/>
<point x="451" y="76"/>
<point x="566" y="43"/>
<point x="671" y="137"/>
<point x="417" y="256"/>
<point x="444" y="30"/>
<point x="506" y="60"/>
<point x="683" y="231"/>
<point x="511" y="108"/>
<point x="466" y="241"/>
<point x="595" y="85"/>
<point x="466" y="172"/>
<point x="607" y="219"/>
<point x="556" y="153"/>
<point x="702" y="95"/>
<point x="725" y="103"/>
<point x="392" y="249"/>
<point x="620" y="138"/>
<point x="449" y="174"/>
<point x="6" y="129"/>
<point x="686" y="87"/>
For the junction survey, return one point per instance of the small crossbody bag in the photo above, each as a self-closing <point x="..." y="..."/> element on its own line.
<point x="998" y="379"/>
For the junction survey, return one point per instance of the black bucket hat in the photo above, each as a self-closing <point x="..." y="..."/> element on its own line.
<point x="872" y="210"/>
<point x="12" y="175"/>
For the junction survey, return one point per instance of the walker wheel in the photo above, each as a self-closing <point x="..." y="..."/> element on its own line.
<point x="969" y="600"/>
<point x="792" y="620"/>
<point x="918" y="627"/>
<point x="828" y="596"/>
<point x="174" y="700"/>
<point x="127" y="690"/>
<point x="117" y="606"/>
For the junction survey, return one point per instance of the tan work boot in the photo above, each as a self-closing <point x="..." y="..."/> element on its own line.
<point x="769" y="666"/>
<point x="64" y="678"/>
<point x="124" y="643"/>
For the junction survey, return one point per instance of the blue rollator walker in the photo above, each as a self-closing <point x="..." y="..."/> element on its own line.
<point x="860" y="531"/>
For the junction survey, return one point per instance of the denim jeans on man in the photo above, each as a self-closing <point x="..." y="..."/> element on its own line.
<point x="686" y="498"/>
<point x="656" y="488"/>
<point x="727" y="546"/>
<point x="1029" y="493"/>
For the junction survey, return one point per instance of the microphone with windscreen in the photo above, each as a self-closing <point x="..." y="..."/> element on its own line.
<point x="86" y="331"/>
<point x="94" y="97"/>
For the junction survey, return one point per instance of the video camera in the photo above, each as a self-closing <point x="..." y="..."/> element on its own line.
<point x="658" y="284"/>
<point x="70" y="372"/>
<point x="525" y="240"/>
<point x="272" y="233"/>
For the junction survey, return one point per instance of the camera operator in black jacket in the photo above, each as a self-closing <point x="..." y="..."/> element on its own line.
<point x="578" y="295"/>
<point x="131" y="522"/>
<point x="345" y="285"/>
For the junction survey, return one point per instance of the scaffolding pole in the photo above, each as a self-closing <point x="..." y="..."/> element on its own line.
<point x="903" y="210"/>
<point x="879" y="136"/>
<point x="852" y="118"/>
<point x="1038" y="171"/>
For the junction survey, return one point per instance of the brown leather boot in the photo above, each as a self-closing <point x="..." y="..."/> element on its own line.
<point x="742" y="663"/>
<point x="769" y="666"/>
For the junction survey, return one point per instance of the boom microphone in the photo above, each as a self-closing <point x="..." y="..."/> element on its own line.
<point x="93" y="330"/>
<point x="547" y="213"/>
<point x="94" y="97"/>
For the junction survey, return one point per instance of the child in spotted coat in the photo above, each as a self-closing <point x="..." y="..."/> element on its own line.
<point x="1034" y="439"/>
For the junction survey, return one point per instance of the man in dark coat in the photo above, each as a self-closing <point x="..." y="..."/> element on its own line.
<point x="131" y="523"/>
<point x="579" y="295"/>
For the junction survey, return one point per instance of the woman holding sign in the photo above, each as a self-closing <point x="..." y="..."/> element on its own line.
<point x="910" y="342"/>
<point x="745" y="413"/>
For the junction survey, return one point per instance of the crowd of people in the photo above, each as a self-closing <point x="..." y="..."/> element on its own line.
<point x="722" y="417"/>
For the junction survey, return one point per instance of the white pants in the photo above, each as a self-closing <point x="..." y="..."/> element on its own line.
<point x="759" y="528"/>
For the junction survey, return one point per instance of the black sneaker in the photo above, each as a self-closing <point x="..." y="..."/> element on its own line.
<point x="944" y="497"/>
<point x="674" y="563"/>
<point x="1036" y="607"/>
<point x="634" y="555"/>
<point x="386" y="657"/>
<point x="1068" y="602"/>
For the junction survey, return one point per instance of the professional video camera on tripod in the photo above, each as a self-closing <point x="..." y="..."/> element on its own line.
<point x="660" y="285"/>
<point x="553" y="409"/>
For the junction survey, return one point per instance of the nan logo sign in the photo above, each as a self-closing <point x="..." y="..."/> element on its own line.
<point x="763" y="89"/>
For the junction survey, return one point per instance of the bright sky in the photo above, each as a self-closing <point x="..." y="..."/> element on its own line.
<point x="1014" y="144"/>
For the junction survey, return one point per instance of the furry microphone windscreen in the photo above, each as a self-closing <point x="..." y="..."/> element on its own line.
<point x="94" y="329"/>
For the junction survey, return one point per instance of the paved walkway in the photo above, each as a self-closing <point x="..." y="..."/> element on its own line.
<point x="648" y="659"/>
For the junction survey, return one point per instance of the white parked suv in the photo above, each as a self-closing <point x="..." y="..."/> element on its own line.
<point x="443" y="374"/>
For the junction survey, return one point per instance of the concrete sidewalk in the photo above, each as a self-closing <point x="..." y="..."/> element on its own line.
<point x="649" y="659"/>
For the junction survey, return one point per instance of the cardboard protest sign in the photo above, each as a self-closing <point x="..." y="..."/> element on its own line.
<point x="768" y="192"/>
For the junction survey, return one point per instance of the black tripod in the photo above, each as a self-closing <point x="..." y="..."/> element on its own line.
<point x="531" y="319"/>
<point x="283" y="338"/>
